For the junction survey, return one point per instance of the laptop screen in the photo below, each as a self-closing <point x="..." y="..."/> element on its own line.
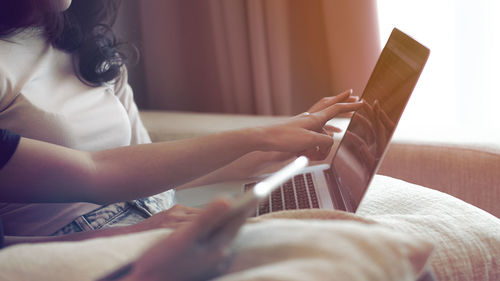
<point x="366" y="139"/>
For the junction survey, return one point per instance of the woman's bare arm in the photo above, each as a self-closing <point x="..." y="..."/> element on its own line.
<point x="259" y="162"/>
<point x="51" y="173"/>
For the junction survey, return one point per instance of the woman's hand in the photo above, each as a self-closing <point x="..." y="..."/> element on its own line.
<point x="194" y="251"/>
<point x="51" y="173"/>
<point x="331" y="100"/>
<point x="306" y="134"/>
<point x="288" y="140"/>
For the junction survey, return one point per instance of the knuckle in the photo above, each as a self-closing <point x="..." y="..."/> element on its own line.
<point x="325" y="99"/>
<point x="316" y="120"/>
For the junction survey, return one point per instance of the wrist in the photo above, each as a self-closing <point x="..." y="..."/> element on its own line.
<point x="256" y="138"/>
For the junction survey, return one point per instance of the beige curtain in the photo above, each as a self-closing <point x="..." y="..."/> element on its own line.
<point x="353" y="42"/>
<point x="272" y="57"/>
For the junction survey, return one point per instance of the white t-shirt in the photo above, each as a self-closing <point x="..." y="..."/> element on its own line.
<point x="42" y="98"/>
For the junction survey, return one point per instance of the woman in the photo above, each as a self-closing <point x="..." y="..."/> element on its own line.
<point x="62" y="81"/>
<point x="64" y="89"/>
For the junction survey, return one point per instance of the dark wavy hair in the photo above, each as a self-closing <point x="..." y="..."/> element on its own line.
<point x="84" y="30"/>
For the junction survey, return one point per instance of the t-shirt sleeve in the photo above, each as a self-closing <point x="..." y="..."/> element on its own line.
<point x="8" y="145"/>
<point x="7" y="93"/>
<point x="126" y="96"/>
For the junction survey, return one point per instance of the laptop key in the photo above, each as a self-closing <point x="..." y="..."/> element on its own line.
<point x="312" y="191"/>
<point x="276" y="200"/>
<point x="289" y="195"/>
<point x="301" y="192"/>
<point x="249" y="186"/>
<point x="263" y="207"/>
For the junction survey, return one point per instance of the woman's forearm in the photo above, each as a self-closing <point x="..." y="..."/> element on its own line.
<point x="51" y="173"/>
<point x="149" y="169"/>
<point x="250" y="165"/>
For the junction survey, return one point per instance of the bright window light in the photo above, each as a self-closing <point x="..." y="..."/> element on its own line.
<point x="457" y="97"/>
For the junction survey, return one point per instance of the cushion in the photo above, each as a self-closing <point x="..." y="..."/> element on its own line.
<point x="284" y="249"/>
<point x="467" y="239"/>
<point x="278" y="249"/>
<point x="390" y="238"/>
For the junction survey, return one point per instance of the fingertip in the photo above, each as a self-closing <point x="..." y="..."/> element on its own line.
<point x="353" y="98"/>
<point x="346" y="93"/>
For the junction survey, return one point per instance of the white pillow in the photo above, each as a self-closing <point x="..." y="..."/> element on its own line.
<point x="467" y="243"/>
<point x="85" y="260"/>
<point x="467" y="239"/>
<point x="285" y="249"/>
<point x="272" y="249"/>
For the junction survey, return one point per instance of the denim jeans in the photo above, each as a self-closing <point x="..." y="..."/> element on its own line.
<point x="120" y="214"/>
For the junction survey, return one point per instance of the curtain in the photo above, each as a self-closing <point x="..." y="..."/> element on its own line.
<point x="252" y="55"/>
<point x="270" y="57"/>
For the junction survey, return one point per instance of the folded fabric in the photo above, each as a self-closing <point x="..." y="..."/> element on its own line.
<point x="284" y="249"/>
<point x="390" y="238"/>
<point x="467" y="239"/>
<point x="277" y="249"/>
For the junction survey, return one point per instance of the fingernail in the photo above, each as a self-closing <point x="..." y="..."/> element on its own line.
<point x="347" y="92"/>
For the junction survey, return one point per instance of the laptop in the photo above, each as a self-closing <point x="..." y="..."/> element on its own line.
<point x="342" y="183"/>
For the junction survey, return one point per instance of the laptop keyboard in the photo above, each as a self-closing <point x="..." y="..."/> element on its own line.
<point x="297" y="193"/>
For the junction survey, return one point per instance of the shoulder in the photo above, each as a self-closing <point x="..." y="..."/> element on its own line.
<point x="122" y="89"/>
<point x="20" y="55"/>
<point x="120" y="84"/>
<point x="7" y="93"/>
<point x="5" y="88"/>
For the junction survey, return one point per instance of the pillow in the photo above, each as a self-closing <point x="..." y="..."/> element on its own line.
<point x="467" y="243"/>
<point x="278" y="249"/>
<point x="84" y="260"/>
<point x="467" y="239"/>
<point x="285" y="249"/>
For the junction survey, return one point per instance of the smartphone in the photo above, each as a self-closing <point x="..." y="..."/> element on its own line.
<point x="246" y="203"/>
